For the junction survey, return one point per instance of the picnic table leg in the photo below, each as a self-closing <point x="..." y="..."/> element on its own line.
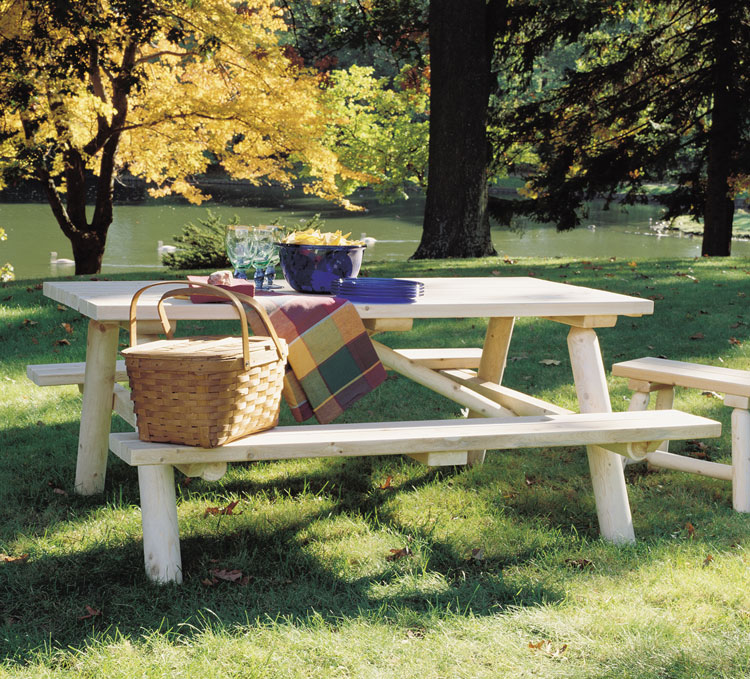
<point x="161" y="535"/>
<point x="96" y="409"/>
<point x="492" y="365"/>
<point x="607" y="478"/>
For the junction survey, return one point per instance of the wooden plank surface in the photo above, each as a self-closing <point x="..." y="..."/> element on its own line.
<point x="55" y="374"/>
<point x="680" y="373"/>
<point x="443" y="298"/>
<point x="395" y="438"/>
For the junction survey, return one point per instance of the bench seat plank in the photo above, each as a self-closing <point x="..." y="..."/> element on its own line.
<point x="56" y="374"/>
<point x="683" y="374"/>
<point x="395" y="438"/>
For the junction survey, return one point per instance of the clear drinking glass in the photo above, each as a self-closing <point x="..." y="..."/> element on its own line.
<point x="271" y="268"/>
<point x="239" y="243"/>
<point x="262" y="252"/>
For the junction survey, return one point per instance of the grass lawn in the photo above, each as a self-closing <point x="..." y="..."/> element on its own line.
<point x="504" y="576"/>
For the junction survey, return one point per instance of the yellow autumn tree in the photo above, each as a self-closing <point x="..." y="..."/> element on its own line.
<point x="159" y="89"/>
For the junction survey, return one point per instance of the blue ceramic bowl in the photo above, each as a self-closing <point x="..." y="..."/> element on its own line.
<point x="312" y="268"/>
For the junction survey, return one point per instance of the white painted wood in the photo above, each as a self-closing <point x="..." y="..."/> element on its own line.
<point x="683" y="374"/>
<point x="395" y="438"/>
<point x="96" y="409"/>
<point x="161" y="536"/>
<point x="437" y="382"/>
<point x="56" y="374"/>
<point x="443" y="298"/>
<point x="210" y="471"/>
<point x="586" y="321"/>
<point x="444" y="358"/>
<point x="492" y="365"/>
<point x="638" y="401"/>
<point x="123" y="404"/>
<point x="664" y="401"/>
<point x="680" y="463"/>
<point x="456" y="458"/>
<point x="732" y="401"/>
<point x="375" y="325"/>
<point x="515" y="401"/>
<point x="741" y="459"/>
<point x="607" y="477"/>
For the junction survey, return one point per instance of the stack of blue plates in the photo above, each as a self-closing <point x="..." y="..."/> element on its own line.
<point x="383" y="290"/>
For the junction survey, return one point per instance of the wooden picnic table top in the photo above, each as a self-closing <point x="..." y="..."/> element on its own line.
<point x="488" y="297"/>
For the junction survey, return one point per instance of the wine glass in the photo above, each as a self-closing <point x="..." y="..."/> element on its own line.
<point x="239" y="248"/>
<point x="261" y="252"/>
<point x="274" y="260"/>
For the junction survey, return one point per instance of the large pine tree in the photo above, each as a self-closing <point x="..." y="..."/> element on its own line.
<point x="661" y="93"/>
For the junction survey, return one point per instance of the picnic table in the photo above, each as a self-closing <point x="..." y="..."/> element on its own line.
<point x="471" y="377"/>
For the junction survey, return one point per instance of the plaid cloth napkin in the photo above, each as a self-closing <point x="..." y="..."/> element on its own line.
<point x="332" y="363"/>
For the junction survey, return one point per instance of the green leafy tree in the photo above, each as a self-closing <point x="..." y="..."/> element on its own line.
<point x="660" y="93"/>
<point x="379" y="129"/>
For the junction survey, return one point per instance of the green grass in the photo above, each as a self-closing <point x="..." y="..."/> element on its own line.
<point x="542" y="596"/>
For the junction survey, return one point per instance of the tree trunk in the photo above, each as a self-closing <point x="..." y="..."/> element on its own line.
<point x="456" y="223"/>
<point x="726" y="129"/>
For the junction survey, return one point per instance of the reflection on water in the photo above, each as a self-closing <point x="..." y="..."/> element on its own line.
<point x="133" y="239"/>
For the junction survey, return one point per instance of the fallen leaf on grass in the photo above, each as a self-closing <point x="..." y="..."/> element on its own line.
<point x="90" y="613"/>
<point x="226" y="511"/>
<point x="707" y="560"/>
<point x="549" y="361"/>
<point x="56" y="490"/>
<point x="28" y="322"/>
<point x="386" y="484"/>
<point x="548" y="649"/>
<point x="60" y="307"/>
<point x="734" y="340"/>
<point x="697" y="336"/>
<point x="581" y="564"/>
<point x="690" y="528"/>
<point x="233" y="575"/>
<point x="67" y="327"/>
<point x="711" y="394"/>
<point x="61" y="342"/>
<point x="21" y="558"/>
<point x="397" y="554"/>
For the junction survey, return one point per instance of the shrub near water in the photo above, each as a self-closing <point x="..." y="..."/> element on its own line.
<point x="379" y="566"/>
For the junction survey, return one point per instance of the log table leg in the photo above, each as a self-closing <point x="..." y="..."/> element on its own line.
<point x="607" y="478"/>
<point x="96" y="409"/>
<point x="161" y="536"/>
<point x="492" y="365"/>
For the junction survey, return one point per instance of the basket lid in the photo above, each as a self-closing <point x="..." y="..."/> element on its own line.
<point x="262" y="349"/>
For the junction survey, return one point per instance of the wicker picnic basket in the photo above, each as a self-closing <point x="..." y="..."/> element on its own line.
<point x="205" y="391"/>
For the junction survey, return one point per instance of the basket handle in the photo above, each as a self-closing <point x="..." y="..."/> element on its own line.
<point x="219" y="292"/>
<point x="238" y="299"/>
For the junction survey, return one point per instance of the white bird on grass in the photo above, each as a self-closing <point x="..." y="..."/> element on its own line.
<point x="163" y="249"/>
<point x="53" y="259"/>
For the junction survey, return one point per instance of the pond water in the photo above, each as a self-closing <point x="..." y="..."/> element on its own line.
<point x="133" y="237"/>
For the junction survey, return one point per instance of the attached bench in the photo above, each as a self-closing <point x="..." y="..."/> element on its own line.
<point x="57" y="374"/>
<point x="661" y="375"/>
<point x="626" y="432"/>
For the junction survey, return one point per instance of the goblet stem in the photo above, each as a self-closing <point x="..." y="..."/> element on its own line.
<point x="270" y="276"/>
<point x="259" y="276"/>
